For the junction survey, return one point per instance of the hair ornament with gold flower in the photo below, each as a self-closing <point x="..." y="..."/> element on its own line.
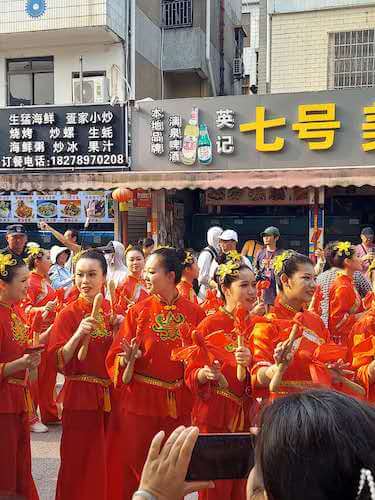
<point x="189" y="258"/>
<point x="279" y="261"/>
<point x="234" y="256"/>
<point x="34" y="250"/>
<point x="230" y="268"/>
<point x="6" y="261"/>
<point x="344" y="247"/>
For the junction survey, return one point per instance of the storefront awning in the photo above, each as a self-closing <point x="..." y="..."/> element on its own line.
<point x="262" y="179"/>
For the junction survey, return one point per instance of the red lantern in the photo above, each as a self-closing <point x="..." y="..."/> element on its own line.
<point x="123" y="196"/>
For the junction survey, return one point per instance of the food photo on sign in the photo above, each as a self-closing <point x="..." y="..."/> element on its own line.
<point x="46" y="209"/>
<point x="70" y="208"/>
<point x="23" y="208"/>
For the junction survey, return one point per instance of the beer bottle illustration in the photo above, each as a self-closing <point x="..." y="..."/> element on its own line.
<point x="190" y="141"/>
<point x="204" y="145"/>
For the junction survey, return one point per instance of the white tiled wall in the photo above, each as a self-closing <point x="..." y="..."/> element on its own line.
<point x="300" y="46"/>
<point x="62" y="14"/>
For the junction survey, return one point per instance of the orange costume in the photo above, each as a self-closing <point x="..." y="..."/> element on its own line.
<point x="39" y="293"/>
<point x="311" y="349"/>
<point x="344" y="304"/>
<point x="15" y="405"/>
<point x="218" y="410"/>
<point x="186" y="290"/>
<point x="128" y="293"/>
<point x="86" y="400"/>
<point x="156" y="398"/>
<point x="212" y="302"/>
<point x="363" y="350"/>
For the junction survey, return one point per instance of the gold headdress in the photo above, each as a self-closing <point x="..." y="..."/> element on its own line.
<point x="343" y="247"/>
<point x="34" y="250"/>
<point x="6" y="260"/>
<point x="234" y="256"/>
<point x="189" y="259"/>
<point x="278" y="261"/>
<point x="230" y="268"/>
<point x="77" y="256"/>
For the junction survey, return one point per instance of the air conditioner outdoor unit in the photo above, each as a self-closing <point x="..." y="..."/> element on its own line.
<point x="237" y="67"/>
<point x="95" y="90"/>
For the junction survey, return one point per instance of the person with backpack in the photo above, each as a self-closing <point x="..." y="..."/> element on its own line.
<point x="207" y="258"/>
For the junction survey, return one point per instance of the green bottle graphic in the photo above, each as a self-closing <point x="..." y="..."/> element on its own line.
<point x="204" y="146"/>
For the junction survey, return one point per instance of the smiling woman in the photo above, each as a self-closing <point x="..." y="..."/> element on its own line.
<point x="153" y="395"/>
<point x="85" y="394"/>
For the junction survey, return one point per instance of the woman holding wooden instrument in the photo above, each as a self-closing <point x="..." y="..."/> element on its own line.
<point x="40" y="308"/>
<point x="79" y="342"/>
<point x="16" y="360"/>
<point x="154" y="397"/>
<point x="292" y="351"/>
<point x="133" y="288"/>
<point x="345" y="304"/>
<point x="219" y="409"/>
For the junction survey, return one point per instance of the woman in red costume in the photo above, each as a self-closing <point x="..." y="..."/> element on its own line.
<point x="217" y="409"/>
<point x="40" y="307"/>
<point x="132" y="289"/>
<point x="85" y="395"/>
<point x="15" y="400"/>
<point x="154" y="397"/>
<point x="311" y="358"/>
<point x="189" y="274"/>
<point x="345" y="305"/>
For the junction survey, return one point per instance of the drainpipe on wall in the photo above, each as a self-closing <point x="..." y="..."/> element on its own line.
<point x="221" y="42"/>
<point x="208" y="47"/>
<point x="132" y="50"/>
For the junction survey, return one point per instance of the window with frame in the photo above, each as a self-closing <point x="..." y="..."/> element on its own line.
<point x="30" y="81"/>
<point x="351" y="59"/>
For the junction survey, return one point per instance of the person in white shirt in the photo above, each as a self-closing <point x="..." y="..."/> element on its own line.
<point x="207" y="260"/>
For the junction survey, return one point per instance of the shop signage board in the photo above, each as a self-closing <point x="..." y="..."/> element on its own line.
<point x="63" y="138"/>
<point x="267" y="197"/>
<point x="56" y="207"/>
<point x="279" y="131"/>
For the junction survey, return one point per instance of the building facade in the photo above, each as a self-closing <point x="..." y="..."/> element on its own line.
<point x="250" y="23"/>
<point x="73" y="52"/>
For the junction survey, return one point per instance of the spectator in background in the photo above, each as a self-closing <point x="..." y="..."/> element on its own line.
<point x="366" y="249"/>
<point x="16" y="238"/>
<point x="147" y="245"/>
<point x="250" y="250"/>
<point x="69" y="239"/>
<point x="59" y="275"/>
<point x="114" y="253"/>
<point x="208" y="259"/>
<point x="264" y="262"/>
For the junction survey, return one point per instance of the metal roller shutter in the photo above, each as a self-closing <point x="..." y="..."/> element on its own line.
<point x="137" y="224"/>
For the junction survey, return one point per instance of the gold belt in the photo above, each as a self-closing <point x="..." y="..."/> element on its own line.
<point x="229" y="395"/>
<point x="294" y="384"/>
<point x="177" y="384"/>
<point x="29" y="406"/>
<point x="103" y="382"/>
<point x="16" y="381"/>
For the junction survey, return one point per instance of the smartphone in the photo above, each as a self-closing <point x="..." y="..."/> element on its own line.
<point x="222" y="456"/>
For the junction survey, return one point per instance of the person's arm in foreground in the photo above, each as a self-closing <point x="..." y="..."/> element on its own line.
<point x="164" y="473"/>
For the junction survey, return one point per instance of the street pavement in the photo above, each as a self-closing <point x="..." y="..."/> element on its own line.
<point x="45" y="449"/>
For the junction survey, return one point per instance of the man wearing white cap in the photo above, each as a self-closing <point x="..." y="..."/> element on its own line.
<point x="208" y="260"/>
<point x="228" y="243"/>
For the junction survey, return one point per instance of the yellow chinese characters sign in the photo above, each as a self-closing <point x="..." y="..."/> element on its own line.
<point x="316" y="123"/>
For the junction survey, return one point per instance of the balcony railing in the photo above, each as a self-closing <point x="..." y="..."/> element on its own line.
<point x="176" y="13"/>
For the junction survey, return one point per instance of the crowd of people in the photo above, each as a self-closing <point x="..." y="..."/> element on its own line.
<point x="153" y="340"/>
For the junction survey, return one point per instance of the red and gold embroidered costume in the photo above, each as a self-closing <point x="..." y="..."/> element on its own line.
<point x="129" y="293"/>
<point x="86" y="400"/>
<point x="218" y="410"/>
<point x="363" y="350"/>
<point x="156" y="398"/>
<point x="311" y="349"/>
<point x="185" y="289"/>
<point x="344" y="304"/>
<point x="15" y="406"/>
<point x="212" y="302"/>
<point x="39" y="293"/>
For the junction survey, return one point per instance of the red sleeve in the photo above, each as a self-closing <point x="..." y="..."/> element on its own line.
<point x="341" y="301"/>
<point x="263" y="341"/>
<point x="127" y="332"/>
<point x="65" y="325"/>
